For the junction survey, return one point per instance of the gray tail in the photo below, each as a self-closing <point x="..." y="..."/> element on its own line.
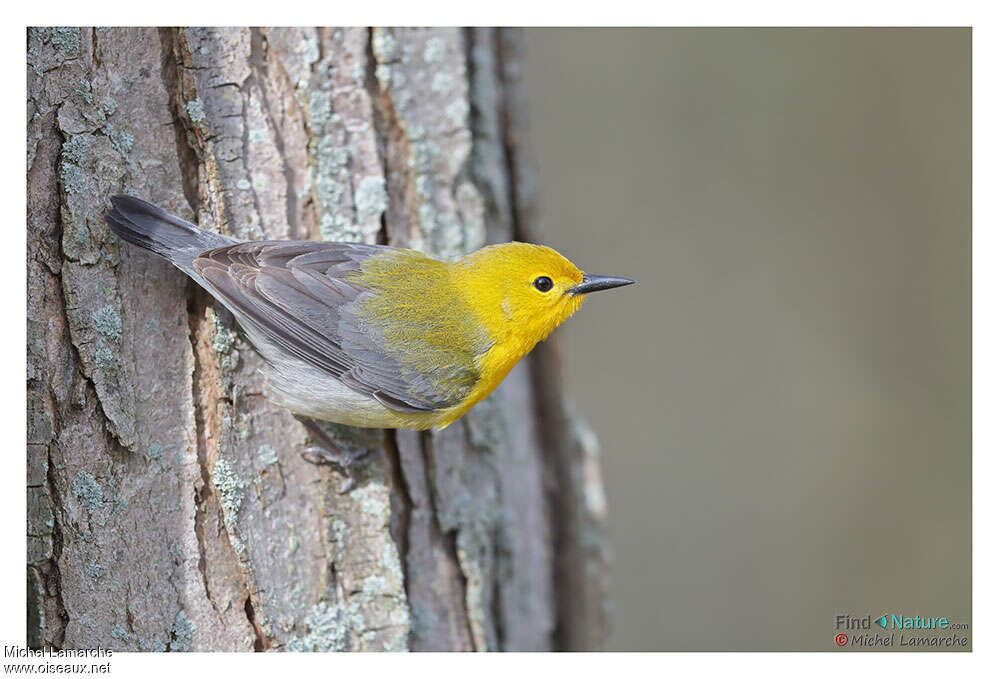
<point x="153" y="229"/>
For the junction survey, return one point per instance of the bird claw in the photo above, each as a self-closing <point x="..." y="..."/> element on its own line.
<point x="345" y="460"/>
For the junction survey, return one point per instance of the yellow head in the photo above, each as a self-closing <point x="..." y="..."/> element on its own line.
<point x="522" y="292"/>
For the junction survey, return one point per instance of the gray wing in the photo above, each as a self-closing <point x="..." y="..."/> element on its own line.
<point x="296" y="294"/>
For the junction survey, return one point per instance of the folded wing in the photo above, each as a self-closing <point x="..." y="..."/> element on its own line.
<point x="304" y="297"/>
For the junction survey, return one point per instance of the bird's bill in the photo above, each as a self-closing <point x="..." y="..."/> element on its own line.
<point x="592" y="283"/>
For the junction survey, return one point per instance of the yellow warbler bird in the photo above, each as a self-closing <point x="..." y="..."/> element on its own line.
<point x="371" y="335"/>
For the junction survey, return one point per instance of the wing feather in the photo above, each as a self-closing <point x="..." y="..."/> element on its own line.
<point x="301" y="296"/>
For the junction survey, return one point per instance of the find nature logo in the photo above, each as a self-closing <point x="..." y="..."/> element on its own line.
<point x="898" y="625"/>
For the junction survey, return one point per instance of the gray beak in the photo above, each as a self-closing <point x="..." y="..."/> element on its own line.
<point x="592" y="283"/>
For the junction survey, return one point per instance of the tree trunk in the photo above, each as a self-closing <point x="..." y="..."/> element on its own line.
<point x="168" y="505"/>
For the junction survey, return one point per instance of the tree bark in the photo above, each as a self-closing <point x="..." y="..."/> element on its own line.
<point x="168" y="505"/>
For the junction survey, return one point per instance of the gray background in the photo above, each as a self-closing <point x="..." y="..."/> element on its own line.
<point x="784" y="400"/>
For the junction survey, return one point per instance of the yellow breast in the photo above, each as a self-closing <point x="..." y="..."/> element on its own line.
<point x="494" y="366"/>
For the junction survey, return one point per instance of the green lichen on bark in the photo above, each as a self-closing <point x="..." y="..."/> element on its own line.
<point x="328" y="628"/>
<point x="182" y="632"/>
<point x="196" y="110"/>
<point x="66" y="40"/>
<point x="88" y="491"/>
<point x="230" y="491"/>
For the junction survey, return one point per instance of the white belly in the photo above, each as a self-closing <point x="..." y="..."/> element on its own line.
<point x="308" y="391"/>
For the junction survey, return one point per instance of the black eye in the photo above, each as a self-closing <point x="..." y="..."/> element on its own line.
<point x="543" y="283"/>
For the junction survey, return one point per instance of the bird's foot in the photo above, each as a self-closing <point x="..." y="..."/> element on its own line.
<point x="347" y="460"/>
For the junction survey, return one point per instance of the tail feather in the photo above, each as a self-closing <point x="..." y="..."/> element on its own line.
<point x="147" y="226"/>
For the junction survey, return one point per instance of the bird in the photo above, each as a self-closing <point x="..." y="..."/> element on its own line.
<point x="371" y="335"/>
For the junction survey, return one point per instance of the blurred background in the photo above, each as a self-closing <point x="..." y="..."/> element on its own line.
<point x="784" y="401"/>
